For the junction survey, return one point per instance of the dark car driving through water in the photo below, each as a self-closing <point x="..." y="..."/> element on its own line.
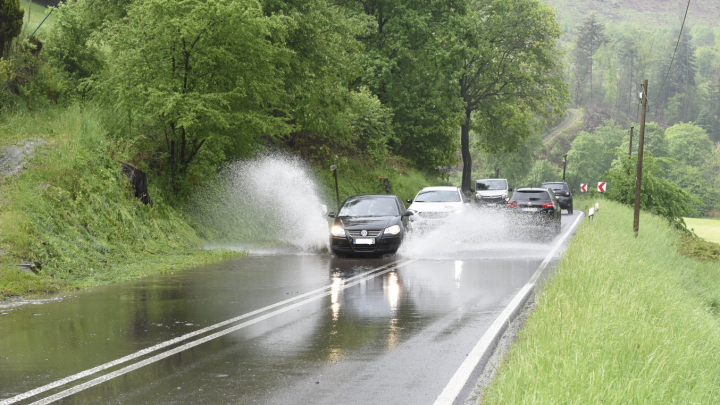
<point x="537" y="206"/>
<point x="563" y="194"/>
<point x="372" y="224"/>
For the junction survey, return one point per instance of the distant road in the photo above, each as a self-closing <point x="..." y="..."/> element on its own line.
<point x="571" y="117"/>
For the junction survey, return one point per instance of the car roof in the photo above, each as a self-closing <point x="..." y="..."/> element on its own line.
<point x="554" y="182"/>
<point x="532" y="189"/>
<point x="372" y="196"/>
<point x="489" y="179"/>
<point x="440" y="188"/>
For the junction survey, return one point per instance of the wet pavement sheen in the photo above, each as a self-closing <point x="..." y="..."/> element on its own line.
<point x="396" y="338"/>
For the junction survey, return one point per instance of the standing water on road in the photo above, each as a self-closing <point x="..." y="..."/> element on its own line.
<point x="270" y="204"/>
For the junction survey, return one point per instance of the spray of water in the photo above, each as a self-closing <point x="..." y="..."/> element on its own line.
<point x="479" y="233"/>
<point x="270" y="204"/>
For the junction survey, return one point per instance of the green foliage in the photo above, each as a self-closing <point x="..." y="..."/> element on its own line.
<point x="590" y="38"/>
<point x="11" y="19"/>
<point x="688" y="143"/>
<point x="658" y="196"/>
<point x="409" y="64"/>
<point x="75" y="213"/>
<point x="700" y="249"/>
<point x="71" y="45"/>
<point x="589" y="157"/>
<point x="205" y="84"/>
<point x="541" y="171"/>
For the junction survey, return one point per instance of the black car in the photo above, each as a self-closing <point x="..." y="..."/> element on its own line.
<point x="563" y="194"/>
<point x="540" y="204"/>
<point x="369" y="225"/>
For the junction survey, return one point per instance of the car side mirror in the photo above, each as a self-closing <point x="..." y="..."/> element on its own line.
<point x="408" y="213"/>
<point x="331" y="215"/>
<point x="510" y="190"/>
<point x="409" y="200"/>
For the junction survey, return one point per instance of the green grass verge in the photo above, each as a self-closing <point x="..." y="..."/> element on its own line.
<point x="73" y="211"/>
<point x="623" y="320"/>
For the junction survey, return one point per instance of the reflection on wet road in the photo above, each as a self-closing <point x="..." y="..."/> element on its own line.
<point x="358" y="331"/>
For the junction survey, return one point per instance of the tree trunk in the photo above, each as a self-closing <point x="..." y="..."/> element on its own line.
<point x="465" y="148"/>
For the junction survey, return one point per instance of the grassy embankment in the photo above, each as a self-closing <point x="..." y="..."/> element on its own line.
<point x="73" y="212"/>
<point x="623" y="320"/>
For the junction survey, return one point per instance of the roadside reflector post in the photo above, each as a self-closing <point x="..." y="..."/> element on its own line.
<point x="597" y="206"/>
<point x="591" y="213"/>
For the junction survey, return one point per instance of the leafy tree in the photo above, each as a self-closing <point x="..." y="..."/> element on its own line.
<point x="689" y="144"/>
<point x="209" y="78"/>
<point x="325" y="104"/>
<point x="658" y="196"/>
<point x="509" y="75"/>
<point x="408" y="64"/>
<point x="591" y="36"/>
<point x="11" y="20"/>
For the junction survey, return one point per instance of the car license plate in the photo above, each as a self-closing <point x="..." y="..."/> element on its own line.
<point x="528" y="209"/>
<point x="369" y="241"/>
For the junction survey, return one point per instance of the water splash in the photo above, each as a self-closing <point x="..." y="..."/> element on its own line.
<point x="267" y="205"/>
<point x="479" y="233"/>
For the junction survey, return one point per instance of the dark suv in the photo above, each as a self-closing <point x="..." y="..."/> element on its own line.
<point x="539" y="204"/>
<point x="563" y="194"/>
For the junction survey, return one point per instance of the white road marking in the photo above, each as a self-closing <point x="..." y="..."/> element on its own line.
<point x="347" y="283"/>
<point x="489" y="339"/>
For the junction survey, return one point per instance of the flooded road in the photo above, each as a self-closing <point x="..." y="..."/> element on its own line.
<point x="270" y="329"/>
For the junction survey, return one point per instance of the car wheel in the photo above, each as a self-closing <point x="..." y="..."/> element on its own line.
<point x="569" y="210"/>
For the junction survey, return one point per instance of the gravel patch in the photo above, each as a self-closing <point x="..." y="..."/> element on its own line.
<point x="13" y="157"/>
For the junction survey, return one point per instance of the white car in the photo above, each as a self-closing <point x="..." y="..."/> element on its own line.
<point x="432" y="205"/>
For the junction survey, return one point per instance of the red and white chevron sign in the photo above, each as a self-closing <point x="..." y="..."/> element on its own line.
<point x="583" y="187"/>
<point x="602" y="186"/>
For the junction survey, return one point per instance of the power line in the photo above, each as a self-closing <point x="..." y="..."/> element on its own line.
<point x="675" y="52"/>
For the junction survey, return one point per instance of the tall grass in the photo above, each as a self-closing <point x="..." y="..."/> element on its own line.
<point x="73" y="211"/>
<point x="623" y="320"/>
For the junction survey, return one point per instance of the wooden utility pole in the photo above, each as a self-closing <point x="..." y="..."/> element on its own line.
<point x="631" y="135"/>
<point x="564" y="166"/>
<point x="641" y="146"/>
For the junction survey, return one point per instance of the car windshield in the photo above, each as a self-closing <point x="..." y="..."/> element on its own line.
<point x="438" y="196"/>
<point x="497" y="184"/>
<point x="528" y="195"/>
<point x="369" y="207"/>
<point x="555" y="186"/>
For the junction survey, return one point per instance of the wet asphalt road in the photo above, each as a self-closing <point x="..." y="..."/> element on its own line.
<point x="389" y="331"/>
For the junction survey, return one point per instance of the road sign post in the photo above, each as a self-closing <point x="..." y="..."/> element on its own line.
<point x="333" y="169"/>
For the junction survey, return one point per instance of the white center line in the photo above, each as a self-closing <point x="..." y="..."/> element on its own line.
<point x="348" y="282"/>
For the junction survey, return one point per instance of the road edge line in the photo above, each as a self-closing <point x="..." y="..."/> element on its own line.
<point x="484" y="347"/>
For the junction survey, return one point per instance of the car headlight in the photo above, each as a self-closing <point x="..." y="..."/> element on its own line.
<point x="505" y="195"/>
<point x="337" y="231"/>
<point x="392" y="230"/>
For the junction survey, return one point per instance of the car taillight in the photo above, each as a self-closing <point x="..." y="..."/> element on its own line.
<point x="512" y="204"/>
<point x="549" y="205"/>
